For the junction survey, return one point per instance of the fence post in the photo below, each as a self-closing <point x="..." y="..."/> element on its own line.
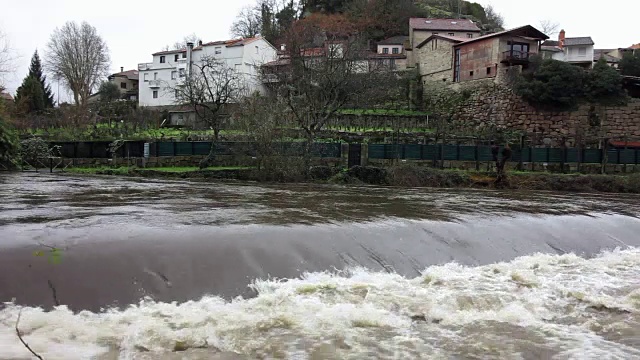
<point x="175" y="148"/>
<point x="477" y="156"/>
<point x="520" y="163"/>
<point x="605" y="155"/>
<point x="193" y="148"/>
<point x="563" y="160"/>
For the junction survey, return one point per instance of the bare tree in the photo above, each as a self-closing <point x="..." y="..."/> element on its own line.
<point x="316" y="82"/>
<point x="7" y="58"/>
<point x="181" y="45"/>
<point x="79" y="57"/>
<point x="495" y="21"/>
<point x="248" y="23"/>
<point x="549" y="27"/>
<point x="208" y="89"/>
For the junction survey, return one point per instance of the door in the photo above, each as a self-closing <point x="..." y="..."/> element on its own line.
<point x="355" y="154"/>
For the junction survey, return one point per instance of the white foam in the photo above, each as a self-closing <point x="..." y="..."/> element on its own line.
<point x="534" y="302"/>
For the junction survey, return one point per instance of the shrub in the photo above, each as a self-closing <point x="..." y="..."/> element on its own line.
<point x="34" y="152"/>
<point x="630" y="64"/>
<point x="604" y="85"/>
<point x="552" y="84"/>
<point x="9" y="146"/>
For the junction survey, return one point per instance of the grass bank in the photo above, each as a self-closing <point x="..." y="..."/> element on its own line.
<point x="402" y="176"/>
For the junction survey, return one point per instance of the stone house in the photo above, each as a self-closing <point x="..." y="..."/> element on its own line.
<point x="454" y="59"/>
<point x="422" y="28"/>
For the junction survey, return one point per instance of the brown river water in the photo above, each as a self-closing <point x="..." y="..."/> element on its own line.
<point x="163" y="269"/>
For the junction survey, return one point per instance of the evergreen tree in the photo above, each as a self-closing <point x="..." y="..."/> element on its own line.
<point x="630" y="64"/>
<point x="35" y="70"/>
<point x="604" y="84"/>
<point x="29" y="96"/>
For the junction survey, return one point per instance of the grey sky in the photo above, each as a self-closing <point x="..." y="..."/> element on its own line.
<point x="134" y="29"/>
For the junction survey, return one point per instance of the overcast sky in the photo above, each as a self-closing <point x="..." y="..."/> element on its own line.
<point x="134" y="29"/>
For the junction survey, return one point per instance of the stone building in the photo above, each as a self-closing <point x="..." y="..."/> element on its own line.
<point x="422" y="28"/>
<point x="457" y="59"/>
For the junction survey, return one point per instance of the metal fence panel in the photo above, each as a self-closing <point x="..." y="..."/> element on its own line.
<point x="484" y="153"/>
<point x="539" y="155"/>
<point x="556" y="155"/>
<point x="467" y="153"/>
<point x="184" y="149"/>
<point x="573" y="155"/>
<point x="201" y="148"/>
<point x="413" y="152"/>
<point x="165" y="149"/>
<point x="592" y="156"/>
<point x="376" y="151"/>
<point x="450" y="152"/>
<point x="326" y="150"/>
<point x="627" y="156"/>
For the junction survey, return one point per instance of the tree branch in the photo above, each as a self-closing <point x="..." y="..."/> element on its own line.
<point x="22" y="340"/>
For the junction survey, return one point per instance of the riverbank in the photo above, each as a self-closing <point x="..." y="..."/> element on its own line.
<point x="401" y="176"/>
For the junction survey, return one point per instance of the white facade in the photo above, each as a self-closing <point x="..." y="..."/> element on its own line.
<point x="390" y="49"/>
<point x="170" y="67"/>
<point x="578" y="53"/>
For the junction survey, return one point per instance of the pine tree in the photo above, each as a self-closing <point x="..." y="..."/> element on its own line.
<point x="35" y="70"/>
<point x="29" y="96"/>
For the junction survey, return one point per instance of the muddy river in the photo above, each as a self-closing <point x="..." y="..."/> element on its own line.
<point x="163" y="269"/>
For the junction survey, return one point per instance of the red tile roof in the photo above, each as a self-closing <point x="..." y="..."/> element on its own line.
<point x="6" y="96"/>
<point x="636" y="46"/>
<point x="129" y="74"/>
<point x="443" y="24"/>
<point x="526" y="30"/>
<point x="455" y="39"/>
<point x="169" y="52"/>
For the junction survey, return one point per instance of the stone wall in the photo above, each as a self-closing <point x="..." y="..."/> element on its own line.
<point x="496" y="106"/>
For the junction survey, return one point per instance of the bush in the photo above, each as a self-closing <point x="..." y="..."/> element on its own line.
<point x="552" y="84"/>
<point x="34" y="152"/>
<point x="604" y="85"/>
<point x="413" y="176"/>
<point x="9" y="146"/>
<point x="630" y="64"/>
<point x="369" y="174"/>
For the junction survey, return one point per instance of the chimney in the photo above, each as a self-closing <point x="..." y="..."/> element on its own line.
<point x="121" y="68"/>
<point x="561" y="38"/>
<point x="283" y="47"/>
<point x="189" y="57"/>
<point x="199" y="42"/>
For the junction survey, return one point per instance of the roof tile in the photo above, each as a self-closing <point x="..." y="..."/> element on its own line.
<point x="443" y="24"/>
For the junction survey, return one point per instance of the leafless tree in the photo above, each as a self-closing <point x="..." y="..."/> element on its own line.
<point x="210" y="87"/>
<point x="317" y="82"/>
<point x="7" y="57"/>
<point x="79" y="57"/>
<point x="549" y="27"/>
<point x="181" y="45"/>
<point x="248" y="23"/>
<point x="495" y="21"/>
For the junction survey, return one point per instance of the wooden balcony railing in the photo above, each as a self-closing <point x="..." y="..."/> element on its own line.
<point x="516" y="56"/>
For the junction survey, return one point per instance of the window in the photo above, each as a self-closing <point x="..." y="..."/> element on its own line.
<point x="570" y="51"/>
<point x="470" y="35"/>
<point x="471" y="73"/>
<point x="456" y="67"/>
<point x="155" y="76"/>
<point x="452" y="34"/>
<point x="435" y="33"/>
<point x="176" y="58"/>
<point x="257" y="50"/>
<point x="123" y="85"/>
<point x="146" y="76"/>
<point x="385" y="50"/>
<point x="176" y="94"/>
<point x="174" y="75"/>
<point x="395" y="50"/>
<point x="218" y="50"/>
<point x="489" y="70"/>
<point x="184" y="55"/>
<point x="181" y="72"/>
<point x="162" y="59"/>
<point x="582" y="51"/>
<point x="155" y="94"/>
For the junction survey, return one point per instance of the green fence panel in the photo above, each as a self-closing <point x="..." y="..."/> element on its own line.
<point x="201" y="148"/>
<point x="539" y="155"/>
<point x="430" y="152"/>
<point x="467" y="153"/>
<point x="526" y="155"/>
<point x="484" y="153"/>
<point x="184" y="149"/>
<point x="592" y="156"/>
<point x="573" y="155"/>
<point x="391" y="151"/>
<point x="612" y="156"/>
<point x="450" y="152"/>
<point x="413" y="152"/>
<point x="627" y="156"/>
<point x="166" y="149"/>
<point x="376" y="151"/>
<point x="556" y="155"/>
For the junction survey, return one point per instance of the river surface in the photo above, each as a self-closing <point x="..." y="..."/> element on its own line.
<point x="163" y="269"/>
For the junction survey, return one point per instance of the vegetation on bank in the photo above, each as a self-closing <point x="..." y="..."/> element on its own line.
<point x="399" y="175"/>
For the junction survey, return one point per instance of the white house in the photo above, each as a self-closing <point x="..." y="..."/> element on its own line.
<point x="576" y="50"/>
<point x="168" y="68"/>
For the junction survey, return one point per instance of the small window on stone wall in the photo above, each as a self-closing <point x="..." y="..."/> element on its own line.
<point x="470" y="73"/>
<point x="489" y="70"/>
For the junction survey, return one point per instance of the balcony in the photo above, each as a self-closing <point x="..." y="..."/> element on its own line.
<point x="516" y="57"/>
<point x="144" y="66"/>
<point x="155" y="84"/>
